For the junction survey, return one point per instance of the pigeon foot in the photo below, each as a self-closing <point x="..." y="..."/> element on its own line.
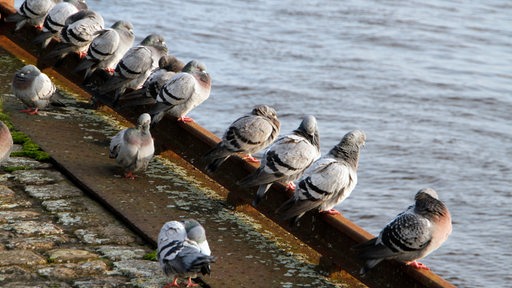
<point x="251" y="159"/>
<point x="30" y="111"/>
<point x="190" y="283"/>
<point x="418" y="265"/>
<point x="130" y="175"/>
<point x="331" y="212"/>
<point x="185" y="119"/>
<point x="290" y="186"/>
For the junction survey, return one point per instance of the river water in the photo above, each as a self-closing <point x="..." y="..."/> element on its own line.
<point x="430" y="83"/>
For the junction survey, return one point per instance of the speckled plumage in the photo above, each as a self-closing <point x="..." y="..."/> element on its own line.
<point x="248" y="134"/>
<point x="5" y="142"/>
<point x="183" y="92"/>
<point x="328" y="181"/>
<point x="133" y="148"/>
<point x="31" y="12"/>
<point x="287" y="158"/>
<point x="183" y="249"/>
<point x="413" y="234"/>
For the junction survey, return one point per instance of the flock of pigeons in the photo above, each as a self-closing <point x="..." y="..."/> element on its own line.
<point x="147" y="74"/>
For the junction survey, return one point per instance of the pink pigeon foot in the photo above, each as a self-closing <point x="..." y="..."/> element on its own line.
<point x="130" y="175"/>
<point x="185" y="119"/>
<point x="39" y="27"/>
<point x="82" y="54"/>
<point x="30" y="111"/>
<point x="173" y="284"/>
<point x="190" y="283"/>
<point x="251" y="159"/>
<point x="110" y="70"/>
<point x="418" y="265"/>
<point x="331" y="212"/>
<point x="290" y="186"/>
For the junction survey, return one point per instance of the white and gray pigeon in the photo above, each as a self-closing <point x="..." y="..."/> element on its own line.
<point x="77" y="34"/>
<point x="168" y="66"/>
<point x="183" y="92"/>
<point x="413" y="234"/>
<point x="286" y="159"/>
<point x="133" y="69"/>
<point x="328" y="181"/>
<point x="5" y="142"/>
<point x="56" y="19"/>
<point x="248" y="134"/>
<point x="31" y="12"/>
<point x="133" y="148"/>
<point x="35" y="89"/>
<point x="183" y="250"/>
<point x="107" y="49"/>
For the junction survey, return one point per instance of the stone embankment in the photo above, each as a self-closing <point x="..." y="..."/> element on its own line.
<point x="53" y="235"/>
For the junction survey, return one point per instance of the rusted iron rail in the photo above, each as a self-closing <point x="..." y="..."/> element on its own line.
<point x="331" y="236"/>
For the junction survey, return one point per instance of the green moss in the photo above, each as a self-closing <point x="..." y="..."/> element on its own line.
<point x="150" y="256"/>
<point x="14" y="168"/>
<point x="30" y="149"/>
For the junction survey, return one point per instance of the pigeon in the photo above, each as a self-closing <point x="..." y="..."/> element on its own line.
<point x="133" y="148"/>
<point x="108" y="48"/>
<point x="134" y="68"/>
<point x="183" y="250"/>
<point x="413" y="234"/>
<point x="56" y="19"/>
<point x="77" y="34"/>
<point x="248" y="134"/>
<point x="185" y="91"/>
<point x="34" y="89"/>
<point x="286" y="159"/>
<point x="328" y="181"/>
<point x="5" y="142"/>
<point x="31" y="12"/>
<point x="168" y="66"/>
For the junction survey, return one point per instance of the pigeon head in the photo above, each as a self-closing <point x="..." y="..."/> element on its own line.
<point x="155" y="40"/>
<point x="194" y="230"/>
<point x="144" y="120"/>
<point x="349" y="147"/>
<point x="123" y="25"/>
<point x="169" y="63"/>
<point x="428" y="203"/>
<point x="24" y="77"/>
<point x="265" y="111"/>
<point x="194" y="66"/>
<point x="308" y="128"/>
<point x="79" y="4"/>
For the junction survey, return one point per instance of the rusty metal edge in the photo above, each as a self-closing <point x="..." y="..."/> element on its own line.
<point x="195" y="141"/>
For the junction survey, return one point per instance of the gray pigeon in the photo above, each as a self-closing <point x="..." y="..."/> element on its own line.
<point x="134" y="68"/>
<point x="133" y="148"/>
<point x="286" y="159"/>
<point x="185" y="91"/>
<point x="107" y="49"/>
<point x="412" y="235"/>
<point x="56" y="19"/>
<point x="31" y="12"/>
<point x="77" y="34"/>
<point x="183" y="250"/>
<point x="5" y="142"/>
<point x="168" y="66"/>
<point x="328" y="181"/>
<point x="248" y="134"/>
<point x="34" y="89"/>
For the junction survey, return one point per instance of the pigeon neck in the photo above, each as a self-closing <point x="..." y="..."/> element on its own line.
<point x="429" y="207"/>
<point x="313" y="139"/>
<point x="348" y="154"/>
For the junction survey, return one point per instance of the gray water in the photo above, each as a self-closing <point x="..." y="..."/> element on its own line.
<point x="431" y="84"/>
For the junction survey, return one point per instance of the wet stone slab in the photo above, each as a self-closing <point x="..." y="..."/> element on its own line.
<point x="37" y="177"/>
<point x="53" y="191"/>
<point x="37" y="243"/>
<point x="26" y="163"/>
<point x="67" y="205"/>
<point x="9" y="216"/>
<point x="33" y="228"/>
<point x="70" y="255"/>
<point x="112" y="234"/>
<point x="118" y="253"/>
<point x="20" y="257"/>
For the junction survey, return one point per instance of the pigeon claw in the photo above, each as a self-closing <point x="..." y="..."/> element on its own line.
<point x="190" y="283"/>
<point x="290" y="186"/>
<point x="173" y="284"/>
<point x="251" y="159"/>
<point x="110" y="70"/>
<point x="82" y="54"/>
<point x="418" y="265"/>
<point x="331" y="212"/>
<point x="185" y="119"/>
<point x="30" y="111"/>
<point x="130" y="175"/>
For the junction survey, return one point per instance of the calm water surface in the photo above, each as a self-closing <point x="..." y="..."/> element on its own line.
<point x="429" y="83"/>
